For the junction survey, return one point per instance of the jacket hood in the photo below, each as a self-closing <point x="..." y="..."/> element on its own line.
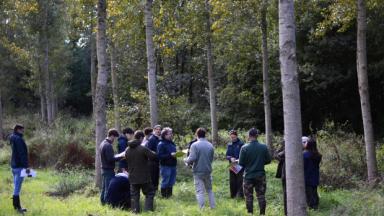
<point x="134" y="143"/>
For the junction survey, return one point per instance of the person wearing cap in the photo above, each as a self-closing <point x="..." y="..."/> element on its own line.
<point x="108" y="160"/>
<point x="19" y="161"/>
<point x="152" y="144"/>
<point x="253" y="157"/>
<point x="232" y="155"/>
<point x="166" y="151"/>
<point x="122" y="145"/>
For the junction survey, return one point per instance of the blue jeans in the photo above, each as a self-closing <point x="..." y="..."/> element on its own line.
<point x="17" y="181"/>
<point x="107" y="176"/>
<point x="168" y="175"/>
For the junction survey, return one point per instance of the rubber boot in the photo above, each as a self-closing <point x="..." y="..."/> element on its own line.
<point x="17" y="206"/>
<point x="170" y="191"/>
<point x="164" y="192"/>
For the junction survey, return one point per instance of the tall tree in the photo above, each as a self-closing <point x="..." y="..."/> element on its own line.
<point x="292" y="112"/>
<point x="267" y="101"/>
<point x="211" y="76"/>
<point x="362" y="77"/>
<point x="116" y="103"/>
<point x="151" y="62"/>
<point x="101" y="85"/>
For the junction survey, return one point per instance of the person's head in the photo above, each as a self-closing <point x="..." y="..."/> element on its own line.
<point x="304" y="141"/>
<point x="200" y="133"/>
<point x="157" y="130"/>
<point x="166" y="133"/>
<point x="139" y="135"/>
<point x="147" y="131"/>
<point x="18" y="129"/>
<point x="113" y="134"/>
<point x="128" y="132"/>
<point x="233" y="135"/>
<point x="253" y="133"/>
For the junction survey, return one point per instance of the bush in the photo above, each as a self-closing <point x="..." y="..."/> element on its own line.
<point x="71" y="181"/>
<point x="5" y="155"/>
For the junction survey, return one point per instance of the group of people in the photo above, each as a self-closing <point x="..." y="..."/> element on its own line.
<point x="144" y="156"/>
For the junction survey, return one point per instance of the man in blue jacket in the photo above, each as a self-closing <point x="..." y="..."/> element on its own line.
<point x="19" y="161"/>
<point x="122" y="146"/>
<point x="119" y="193"/>
<point x="233" y="152"/>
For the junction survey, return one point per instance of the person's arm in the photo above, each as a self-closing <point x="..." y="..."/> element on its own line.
<point x="150" y="154"/>
<point x="229" y="153"/>
<point x="192" y="156"/>
<point x="242" y="157"/>
<point x="109" y="154"/>
<point x="121" y="145"/>
<point x="22" y="152"/>
<point x="162" y="152"/>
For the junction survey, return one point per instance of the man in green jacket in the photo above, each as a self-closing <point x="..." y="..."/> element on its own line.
<point x="253" y="157"/>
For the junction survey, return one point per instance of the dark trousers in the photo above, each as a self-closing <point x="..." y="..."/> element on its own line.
<point x="107" y="175"/>
<point x="260" y="185"/>
<point x="312" y="196"/>
<point x="284" y="184"/>
<point x="149" y="194"/>
<point x="155" y="174"/>
<point x="236" y="184"/>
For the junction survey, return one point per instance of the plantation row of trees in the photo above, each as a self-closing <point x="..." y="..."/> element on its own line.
<point x="284" y="65"/>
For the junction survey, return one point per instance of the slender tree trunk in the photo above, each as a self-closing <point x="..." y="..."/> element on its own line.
<point x="116" y="102"/>
<point x="101" y="85"/>
<point x="43" y="103"/>
<point x="1" y="117"/>
<point x="267" y="102"/>
<point x="48" y="92"/>
<point x="211" y="77"/>
<point x="93" y="68"/>
<point x="292" y="112"/>
<point x="151" y="62"/>
<point x="362" y="76"/>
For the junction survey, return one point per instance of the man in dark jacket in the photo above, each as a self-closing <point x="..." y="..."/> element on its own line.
<point x="233" y="152"/>
<point x="253" y="157"/>
<point x="137" y="157"/>
<point x="107" y="162"/>
<point x="152" y="144"/>
<point x="122" y="146"/>
<point x="118" y="193"/>
<point x="19" y="161"/>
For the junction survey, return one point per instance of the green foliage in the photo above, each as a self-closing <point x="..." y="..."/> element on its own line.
<point x="70" y="181"/>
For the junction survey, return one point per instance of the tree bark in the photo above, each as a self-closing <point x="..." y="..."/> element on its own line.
<point x="45" y="67"/>
<point x="93" y="67"/>
<point x="151" y="67"/>
<point x="211" y="77"/>
<point x="101" y="85"/>
<point x="362" y="77"/>
<point x="267" y="102"/>
<point x="116" y="102"/>
<point x="292" y="112"/>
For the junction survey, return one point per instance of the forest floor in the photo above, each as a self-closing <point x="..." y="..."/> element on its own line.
<point x="37" y="199"/>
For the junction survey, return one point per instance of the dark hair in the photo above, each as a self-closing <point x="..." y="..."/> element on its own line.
<point x="311" y="146"/>
<point x="113" y="132"/>
<point x="200" y="132"/>
<point x="147" y="131"/>
<point x="253" y="132"/>
<point x="233" y="132"/>
<point x="165" y="131"/>
<point x="17" y="127"/>
<point x="138" y="134"/>
<point x="128" y="131"/>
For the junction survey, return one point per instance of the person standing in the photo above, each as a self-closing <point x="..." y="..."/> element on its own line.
<point x="108" y="160"/>
<point x="232" y="154"/>
<point x="19" y="161"/>
<point x="138" y="157"/>
<point x="253" y="157"/>
<point x="166" y="151"/>
<point x="147" y="133"/>
<point x="122" y="145"/>
<point x="152" y="144"/>
<point x="312" y="159"/>
<point x="201" y="156"/>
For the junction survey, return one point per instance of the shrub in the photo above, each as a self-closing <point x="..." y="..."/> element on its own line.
<point x="70" y="181"/>
<point x="5" y="155"/>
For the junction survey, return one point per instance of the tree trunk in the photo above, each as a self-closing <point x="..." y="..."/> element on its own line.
<point x="151" y="62"/>
<point x="362" y="77"/>
<point x="101" y="85"/>
<point x="292" y="112"/>
<point x="48" y="92"/>
<point x="211" y="77"/>
<point x="267" y="102"/>
<point x="116" y="103"/>
<point x="93" y="68"/>
<point x="1" y="117"/>
<point x="43" y="103"/>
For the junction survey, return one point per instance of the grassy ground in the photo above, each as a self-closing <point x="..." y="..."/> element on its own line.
<point x="86" y="202"/>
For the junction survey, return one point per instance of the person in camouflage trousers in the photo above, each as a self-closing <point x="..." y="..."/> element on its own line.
<point x="253" y="157"/>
